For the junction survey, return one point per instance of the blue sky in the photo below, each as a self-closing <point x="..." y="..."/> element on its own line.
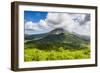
<point x="34" y="16"/>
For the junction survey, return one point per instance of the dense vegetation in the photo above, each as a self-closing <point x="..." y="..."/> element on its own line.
<point x="37" y="54"/>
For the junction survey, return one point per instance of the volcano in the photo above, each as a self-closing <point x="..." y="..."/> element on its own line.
<point x="58" y="38"/>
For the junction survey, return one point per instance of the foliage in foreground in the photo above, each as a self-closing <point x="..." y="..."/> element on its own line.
<point x="35" y="54"/>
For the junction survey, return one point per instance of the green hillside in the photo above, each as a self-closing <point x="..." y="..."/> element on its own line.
<point x="56" y="45"/>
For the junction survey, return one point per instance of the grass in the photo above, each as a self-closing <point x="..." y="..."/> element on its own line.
<point x="35" y="54"/>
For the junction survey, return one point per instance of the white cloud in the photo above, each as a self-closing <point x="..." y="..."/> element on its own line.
<point x="70" y="22"/>
<point x="43" y="24"/>
<point x="53" y="18"/>
<point x="66" y="21"/>
<point x="32" y="26"/>
<point x="83" y="29"/>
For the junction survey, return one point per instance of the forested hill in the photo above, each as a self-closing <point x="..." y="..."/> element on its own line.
<point x="58" y="38"/>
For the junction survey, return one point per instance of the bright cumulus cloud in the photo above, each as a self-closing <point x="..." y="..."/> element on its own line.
<point x="77" y="23"/>
<point x="31" y="26"/>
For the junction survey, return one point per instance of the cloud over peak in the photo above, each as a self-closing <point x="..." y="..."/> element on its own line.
<point x="77" y="23"/>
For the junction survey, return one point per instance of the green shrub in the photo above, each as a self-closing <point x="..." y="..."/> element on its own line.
<point x="35" y="54"/>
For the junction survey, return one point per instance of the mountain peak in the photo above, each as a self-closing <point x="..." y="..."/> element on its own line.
<point x="57" y="31"/>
